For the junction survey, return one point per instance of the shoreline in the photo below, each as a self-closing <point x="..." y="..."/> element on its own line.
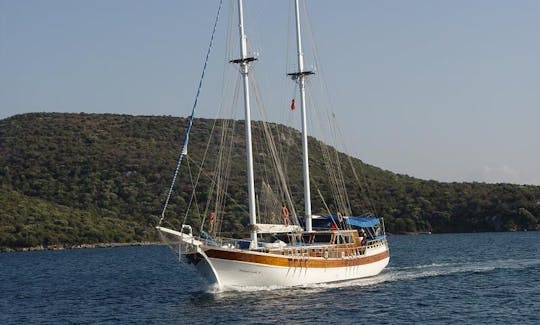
<point x="60" y="247"/>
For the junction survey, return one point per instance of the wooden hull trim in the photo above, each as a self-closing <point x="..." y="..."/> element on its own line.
<point x="294" y="261"/>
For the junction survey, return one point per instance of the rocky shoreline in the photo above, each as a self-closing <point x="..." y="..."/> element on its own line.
<point x="78" y="246"/>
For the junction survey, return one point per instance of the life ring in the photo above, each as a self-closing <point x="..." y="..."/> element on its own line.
<point x="285" y="213"/>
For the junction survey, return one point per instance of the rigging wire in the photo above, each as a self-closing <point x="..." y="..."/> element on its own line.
<point x="183" y="152"/>
<point x="282" y="179"/>
<point x="336" y="132"/>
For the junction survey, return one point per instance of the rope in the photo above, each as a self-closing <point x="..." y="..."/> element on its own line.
<point x="277" y="164"/>
<point x="183" y="152"/>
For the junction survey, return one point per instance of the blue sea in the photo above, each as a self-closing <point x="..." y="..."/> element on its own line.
<point x="483" y="278"/>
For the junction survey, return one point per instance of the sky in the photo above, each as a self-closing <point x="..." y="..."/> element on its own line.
<point x="443" y="90"/>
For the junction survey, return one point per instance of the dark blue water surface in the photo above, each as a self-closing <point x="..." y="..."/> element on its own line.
<point x="458" y="278"/>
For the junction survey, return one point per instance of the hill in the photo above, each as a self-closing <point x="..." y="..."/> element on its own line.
<point x="88" y="178"/>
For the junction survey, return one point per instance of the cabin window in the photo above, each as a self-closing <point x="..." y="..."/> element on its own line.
<point x="323" y="238"/>
<point x="344" y="239"/>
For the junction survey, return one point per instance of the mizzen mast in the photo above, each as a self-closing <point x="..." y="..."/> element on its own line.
<point x="299" y="77"/>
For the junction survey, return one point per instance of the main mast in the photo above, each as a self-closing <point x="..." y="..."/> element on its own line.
<point x="300" y="76"/>
<point x="244" y="71"/>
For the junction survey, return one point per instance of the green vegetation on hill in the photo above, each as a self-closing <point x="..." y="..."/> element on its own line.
<point x="30" y="222"/>
<point x="87" y="178"/>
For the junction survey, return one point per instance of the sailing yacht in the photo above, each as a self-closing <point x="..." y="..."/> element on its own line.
<point x="290" y="250"/>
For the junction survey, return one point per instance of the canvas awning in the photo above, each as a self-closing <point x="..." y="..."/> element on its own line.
<point x="363" y="222"/>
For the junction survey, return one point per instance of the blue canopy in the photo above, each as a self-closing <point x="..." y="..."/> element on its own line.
<point x="363" y="222"/>
<point x="354" y="221"/>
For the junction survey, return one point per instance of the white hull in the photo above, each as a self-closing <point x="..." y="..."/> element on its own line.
<point x="232" y="274"/>
<point x="240" y="274"/>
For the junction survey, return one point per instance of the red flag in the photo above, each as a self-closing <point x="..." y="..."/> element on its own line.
<point x="293" y="104"/>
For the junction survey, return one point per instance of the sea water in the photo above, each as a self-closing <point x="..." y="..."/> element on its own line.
<point x="455" y="278"/>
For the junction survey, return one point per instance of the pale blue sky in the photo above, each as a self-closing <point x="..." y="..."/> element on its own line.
<point x="444" y="90"/>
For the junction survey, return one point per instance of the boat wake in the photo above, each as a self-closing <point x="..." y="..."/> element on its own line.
<point x="393" y="274"/>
